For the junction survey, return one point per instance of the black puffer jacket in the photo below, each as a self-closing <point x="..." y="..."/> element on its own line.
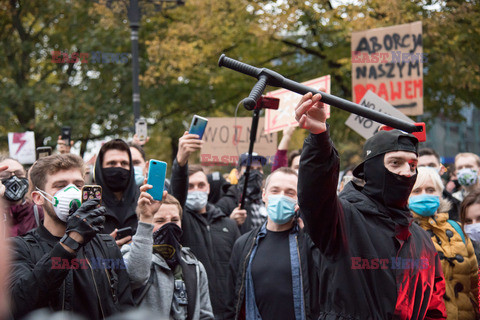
<point x="41" y="277"/>
<point x="370" y="268"/>
<point x="210" y="236"/>
<point x="242" y="250"/>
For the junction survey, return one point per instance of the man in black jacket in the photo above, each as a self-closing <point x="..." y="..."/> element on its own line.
<point x="254" y="214"/>
<point x="206" y="230"/>
<point x="114" y="172"/>
<point x="65" y="264"/>
<point x="272" y="268"/>
<point x="375" y="263"/>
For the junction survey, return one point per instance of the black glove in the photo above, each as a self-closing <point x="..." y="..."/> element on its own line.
<point x="87" y="220"/>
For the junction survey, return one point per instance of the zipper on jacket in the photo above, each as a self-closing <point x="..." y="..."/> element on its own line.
<point x="301" y="275"/>
<point x="243" y="276"/>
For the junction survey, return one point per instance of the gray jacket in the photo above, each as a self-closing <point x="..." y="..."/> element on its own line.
<point x="139" y="256"/>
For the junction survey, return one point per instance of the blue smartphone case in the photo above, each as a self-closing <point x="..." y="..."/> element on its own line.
<point x="198" y="126"/>
<point x="157" y="171"/>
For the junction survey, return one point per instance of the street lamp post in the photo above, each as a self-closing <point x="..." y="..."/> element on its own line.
<point x="134" y="15"/>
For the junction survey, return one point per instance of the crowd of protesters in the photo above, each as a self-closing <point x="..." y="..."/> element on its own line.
<point x="394" y="237"/>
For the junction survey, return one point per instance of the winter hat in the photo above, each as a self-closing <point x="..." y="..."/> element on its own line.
<point x="383" y="142"/>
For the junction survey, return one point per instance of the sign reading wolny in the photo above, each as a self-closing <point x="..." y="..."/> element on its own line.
<point x="397" y="78"/>
<point x="224" y="141"/>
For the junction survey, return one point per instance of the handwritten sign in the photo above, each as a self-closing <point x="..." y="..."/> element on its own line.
<point x="225" y="140"/>
<point x="366" y="127"/>
<point x="277" y="120"/>
<point x="22" y="146"/>
<point x="389" y="62"/>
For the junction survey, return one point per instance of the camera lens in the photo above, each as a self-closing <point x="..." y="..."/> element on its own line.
<point x="195" y="122"/>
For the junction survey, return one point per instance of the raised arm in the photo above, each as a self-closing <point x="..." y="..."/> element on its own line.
<point x="318" y="176"/>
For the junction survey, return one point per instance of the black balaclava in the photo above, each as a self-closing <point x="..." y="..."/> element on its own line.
<point x="166" y="242"/>
<point x="254" y="186"/>
<point x="389" y="189"/>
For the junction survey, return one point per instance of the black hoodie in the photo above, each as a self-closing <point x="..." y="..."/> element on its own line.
<point x="120" y="213"/>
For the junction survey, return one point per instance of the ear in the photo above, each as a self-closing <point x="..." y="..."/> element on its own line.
<point x="37" y="198"/>
<point x="208" y="184"/>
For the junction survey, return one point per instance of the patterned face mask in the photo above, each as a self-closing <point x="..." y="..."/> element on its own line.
<point x="467" y="177"/>
<point x="15" y="188"/>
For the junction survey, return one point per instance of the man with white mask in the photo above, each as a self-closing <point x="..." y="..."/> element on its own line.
<point x="272" y="268"/>
<point x="65" y="264"/>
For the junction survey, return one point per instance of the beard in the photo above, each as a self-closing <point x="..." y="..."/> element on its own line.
<point x="48" y="208"/>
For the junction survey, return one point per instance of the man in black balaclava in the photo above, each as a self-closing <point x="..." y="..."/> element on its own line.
<point x="374" y="263"/>
<point x="115" y="174"/>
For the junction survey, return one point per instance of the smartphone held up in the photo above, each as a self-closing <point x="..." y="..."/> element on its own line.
<point x="198" y="126"/>
<point x="157" y="171"/>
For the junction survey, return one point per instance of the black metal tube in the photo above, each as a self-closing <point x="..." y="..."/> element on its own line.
<point x="134" y="15"/>
<point x="277" y="80"/>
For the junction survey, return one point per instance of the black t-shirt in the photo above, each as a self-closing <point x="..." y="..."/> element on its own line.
<point x="272" y="277"/>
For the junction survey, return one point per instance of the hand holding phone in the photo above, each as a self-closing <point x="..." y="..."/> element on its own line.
<point x="198" y="126"/>
<point x="66" y="134"/>
<point x="141" y="130"/>
<point x="91" y="192"/>
<point x="124" y="232"/>
<point x="43" y="152"/>
<point x="157" y="171"/>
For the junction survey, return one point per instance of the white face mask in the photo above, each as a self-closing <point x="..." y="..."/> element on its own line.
<point x="473" y="231"/>
<point x="196" y="200"/>
<point x="63" y="199"/>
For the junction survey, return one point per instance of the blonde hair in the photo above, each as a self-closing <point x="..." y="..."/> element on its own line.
<point x="424" y="173"/>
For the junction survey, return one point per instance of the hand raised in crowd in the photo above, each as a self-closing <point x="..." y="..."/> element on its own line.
<point x="2" y="187"/>
<point x="84" y="223"/>
<point x="286" y="137"/>
<point x="311" y="113"/>
<point x="139" y="142"/>
<point x="62" y="146"/>
<point x="147" y="206"/>
<point x="187" y="144"/>
<point x="239" y="215"/>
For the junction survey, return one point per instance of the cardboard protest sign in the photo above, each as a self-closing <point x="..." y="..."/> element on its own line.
<point x="225" y="141"/>
<point x="389" y="61"/>
<point x="277" y="120"/>
<point x="22" y="146"/>
<point x="366" y="127"/>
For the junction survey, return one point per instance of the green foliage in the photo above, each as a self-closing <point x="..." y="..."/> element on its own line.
<point x="179" y="50"/>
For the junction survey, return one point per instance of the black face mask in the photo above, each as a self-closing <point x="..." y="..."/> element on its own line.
<point x="166" y="242"/>
<point x="254" y="186"/>
<point x="15" y="188"/>
<point x="116" y="178"/>
<point x="389" y="189"/>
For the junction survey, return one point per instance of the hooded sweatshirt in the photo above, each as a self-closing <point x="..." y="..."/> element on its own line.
<point x="120" y="213"/>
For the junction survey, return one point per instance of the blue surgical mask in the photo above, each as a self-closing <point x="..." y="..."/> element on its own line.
<point x="425" y="204"/>
<point x="281" y="209"/>
<point x="139" y="177"/>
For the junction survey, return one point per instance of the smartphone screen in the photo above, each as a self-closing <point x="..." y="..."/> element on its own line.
<point x="157" y="171"/>
<point x="43" y="152"/>
<point x="66" y="134"/>
<point x="141" y="129"/>
<point x="198" y="126"/>
<point x="91" y="192"/>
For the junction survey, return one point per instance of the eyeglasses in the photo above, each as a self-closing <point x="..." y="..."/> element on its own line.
<point x="8" y="174"/>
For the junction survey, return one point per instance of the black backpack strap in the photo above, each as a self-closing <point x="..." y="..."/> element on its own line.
<point x="139" y="293"/>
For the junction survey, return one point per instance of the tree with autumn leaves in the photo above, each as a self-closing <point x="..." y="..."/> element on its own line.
<point x="179" y="50"/>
